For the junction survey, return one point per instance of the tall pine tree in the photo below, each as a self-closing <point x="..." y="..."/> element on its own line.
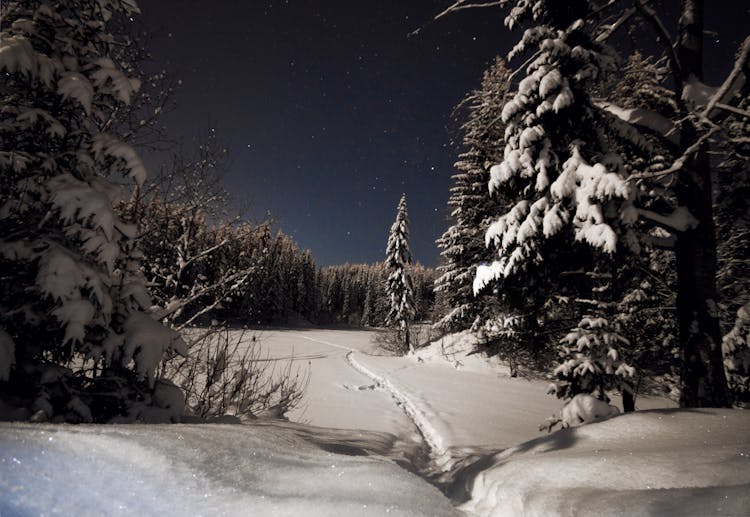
<point x="399" y="286"/>
<point x="470" y="202"/>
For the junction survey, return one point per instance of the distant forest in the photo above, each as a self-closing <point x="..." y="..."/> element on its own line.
<point x="250" y="275"/>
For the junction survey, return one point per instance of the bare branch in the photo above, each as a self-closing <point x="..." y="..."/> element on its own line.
<point x="739" y="68"/>
<point x="736" y="111"/>
<point x="612" y="28"/>
<point x="204" y="254"/>
<point x="177" y="304"/>
<point x="460" y="5"/>
<point x="679" y="163"/>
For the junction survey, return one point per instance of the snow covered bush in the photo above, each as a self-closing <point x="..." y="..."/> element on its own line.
<point x="76" y="342"/>
<point x="590" y="361"/>
<point x="195" y="258"/>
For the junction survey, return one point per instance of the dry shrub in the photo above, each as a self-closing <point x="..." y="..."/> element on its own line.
<point x="227" y="373"/>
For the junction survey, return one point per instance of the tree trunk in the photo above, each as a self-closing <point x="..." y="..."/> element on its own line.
<point x="628" y="401"/>
<point x="703" y="381"/>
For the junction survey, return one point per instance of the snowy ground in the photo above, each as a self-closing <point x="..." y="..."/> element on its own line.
<point x="252" y="469"/>
<point x="450" y="418"/>
<point x="655" y="462"/>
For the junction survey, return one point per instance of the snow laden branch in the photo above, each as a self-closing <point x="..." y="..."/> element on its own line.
<point x="649" y="119"/>
<point x="224" y="285"/>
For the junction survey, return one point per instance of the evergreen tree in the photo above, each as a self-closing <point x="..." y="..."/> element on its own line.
<point x="77" y="343"/>
<point x="567" y="160"/>
<point x="556" y="172"/>
<point x="399" y="286"/>
<point x="470" y="202"/>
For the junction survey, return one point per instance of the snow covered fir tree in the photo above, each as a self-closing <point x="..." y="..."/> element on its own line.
<point x="398" y="285"/>
<point x="626" y="174"/>
<point x="77" y="343"/>
<point x="471" y="205"/>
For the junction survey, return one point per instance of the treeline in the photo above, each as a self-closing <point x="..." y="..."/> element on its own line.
<point x="355" y="294"/>
<point x="248" y="274"/>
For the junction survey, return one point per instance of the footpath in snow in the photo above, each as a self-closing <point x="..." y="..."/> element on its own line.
<point x="481" y="428"/>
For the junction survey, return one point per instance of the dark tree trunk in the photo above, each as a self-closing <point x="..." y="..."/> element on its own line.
<point x="628" y="401"/>
<point x="703" y="381"/>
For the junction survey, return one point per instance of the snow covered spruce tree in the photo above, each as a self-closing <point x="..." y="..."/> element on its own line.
<point x="567" y="149"/>
<point x="557" y="167"/>
<point x="77" y="343"/>
<point x="471" y="205"/>
<point x="399" y="287"/>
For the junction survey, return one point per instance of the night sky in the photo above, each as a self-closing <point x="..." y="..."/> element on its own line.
<point x="332" y="109"/>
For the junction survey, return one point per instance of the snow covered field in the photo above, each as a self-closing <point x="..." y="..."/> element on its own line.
<point x="450" y="418"/>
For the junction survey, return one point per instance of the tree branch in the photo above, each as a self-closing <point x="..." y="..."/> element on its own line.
<point x="613" y="27"/>
<point x="460" y="5"/>
<point x="679" y="163"/>
<point x="653" y="18"/>
<point x="739" y="64"/>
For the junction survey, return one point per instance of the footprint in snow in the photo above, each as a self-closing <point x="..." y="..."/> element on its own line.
<point x="363" y="387"/>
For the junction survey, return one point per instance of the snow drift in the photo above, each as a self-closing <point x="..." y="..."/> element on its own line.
<point x="657" y="462"/>
<point x="210" y="469"/>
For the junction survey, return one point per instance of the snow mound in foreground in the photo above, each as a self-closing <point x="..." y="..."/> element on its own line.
<point x="254" y="469"/>
<point x="659" y="462"/>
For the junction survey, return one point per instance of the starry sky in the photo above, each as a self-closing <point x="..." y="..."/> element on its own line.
<point x="332" y="109"/>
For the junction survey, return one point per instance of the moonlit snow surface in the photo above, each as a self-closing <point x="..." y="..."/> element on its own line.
<point x="656" y="462"/>
<point x="471" y="416"/>
<point x="208" y="469"/>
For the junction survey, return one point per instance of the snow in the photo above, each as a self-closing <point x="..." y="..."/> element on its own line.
<point x="73" y="85"/>
<point x="146" y="341"/>
<point x="79" y="202"/>
<point x="680" y="219"/>
<point x="450" y="417"/>
<point x="658" y="462"/>
<point x="646" y="118"/>
<point x="584" y="409"/>
<point x="486" y="274"/>
<point x="697" y="93"/>
<point x="75" y="315"/>
<point x="252" y="469"/>
<point x="456" y="418"/>
<point x="17" y="55"/>
<point x="106" y="145"/>
<point x="122" y="87"/>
